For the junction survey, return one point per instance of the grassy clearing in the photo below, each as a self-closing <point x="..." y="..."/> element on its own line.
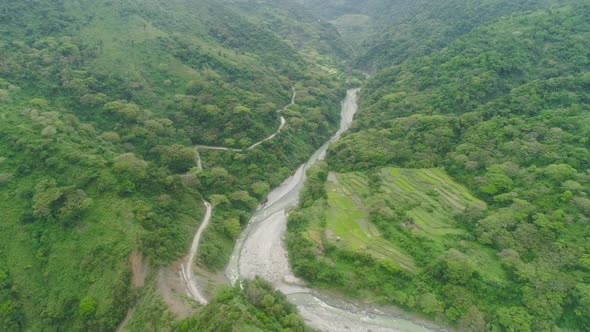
<point x="344" y="219"/>
<point x="428" y="200"/>
<point x="435" y="196"/>
<point x="347" y="219"/>
<point x="381" y="235"/>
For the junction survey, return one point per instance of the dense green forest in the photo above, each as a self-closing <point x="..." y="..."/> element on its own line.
<point x="389" y="32"/>
<point x="358" y="20"/>
<point x="503" y="110"/>
<point x="460" y="193"/>
<point x="102" y="103"/>
<point x="256" y="307"/>
<point x="429" y="26"/>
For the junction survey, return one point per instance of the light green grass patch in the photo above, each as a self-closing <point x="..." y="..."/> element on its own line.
<point x="347" y="219"/>
<point x="342" y="216"/>
<point x="433" y="196"/>
<point x="486" y="261"/>
<point x="460" y="188"/>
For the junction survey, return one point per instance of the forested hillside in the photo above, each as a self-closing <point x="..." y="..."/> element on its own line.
<point x="387" y="33"/>
<point x="256" y="306"/>
<point x="460" y="192"/>
<point x="101" y="105"/>
<point x="431" y="25"/>
<point x="503" y="110"/>
<point x="360" y="20"/>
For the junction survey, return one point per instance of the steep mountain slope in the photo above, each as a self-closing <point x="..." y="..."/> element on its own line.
<point x="389" y="32"/>
<point x="102" y="102"/>
<point x="357" y="21"/>
<point x="317" y="40"/>
<point x="504" y="111"/>
<point x="432" y="25"/>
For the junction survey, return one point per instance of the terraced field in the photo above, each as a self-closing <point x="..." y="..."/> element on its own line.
<point x="436" y="195"/>
<point x="428" y="197"/>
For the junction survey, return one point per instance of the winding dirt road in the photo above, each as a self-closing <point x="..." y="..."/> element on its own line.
<point x="283" y="122"/>
<point x="187" y="268"/>
<point x="186" y="271"/>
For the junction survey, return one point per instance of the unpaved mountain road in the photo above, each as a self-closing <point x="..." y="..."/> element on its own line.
<point x="282" y="124"/>
<point x="187" y="268"/>
<point x="186" y="271"/>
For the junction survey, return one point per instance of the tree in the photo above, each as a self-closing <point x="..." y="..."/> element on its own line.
<point x="11" y="317"/>
<point x="39" y="102"/>
<point x="496" y="229"/>
<point x="470" y="216"/>
<point x="87" y="307"/>
<point x="472" y="321"/>
<point x="6" y="177"/>
<point x="584" y="262"/>
<point x="49" y="131"/>
<point x="582" y="301"/>
<point x="560" y="173"/>
<point x="454" y="267"/>
<point x="110" y="136"/>
<point x="260" y="188"/>
<point x="93" y="99"/>
<point x="496" y="182"/>
<point x="176" y="157"/>
<point x="69" y="50"/>
<point x="47" y="195"/>
<point x="232" y="227"/>
<point x="430" y="304"/>
<point x="131" y="166"/>
<point x="514" y="319"/>
<point x="219" y="200"/>
<point x="75" y="203"/>
<point x="128" y="111"/>
<point x="242" y="197"/>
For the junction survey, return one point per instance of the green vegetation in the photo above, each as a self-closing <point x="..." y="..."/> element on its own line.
<point x="101" y="105"/>
<point x="253" y="307"/>
<point x="361" y="21"/>
<point x="410" y="29"/>
<point x="10" y="315"/>
<point x="503" y="110"/>
<point x="256" y="307"/>
<point x="385" y="32"/>
<point x="390" y="222"/>
<point x="461" y="191"/>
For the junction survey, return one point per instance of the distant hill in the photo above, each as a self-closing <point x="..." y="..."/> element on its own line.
<point x="390" y="32"/>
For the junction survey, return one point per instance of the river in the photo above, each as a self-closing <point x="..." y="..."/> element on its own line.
<point x="260" y="252"/>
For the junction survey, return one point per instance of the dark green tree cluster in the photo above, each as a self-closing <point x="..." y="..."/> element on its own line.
<point x="11" y="317"/>
<point x="254" y="307"/>
<point x="420" y="28"/>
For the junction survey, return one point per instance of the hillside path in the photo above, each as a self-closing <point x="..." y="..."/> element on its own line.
<point x="187" y="272"/>
<point x="283" y="122"/>
<point x="187" y="268"/>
